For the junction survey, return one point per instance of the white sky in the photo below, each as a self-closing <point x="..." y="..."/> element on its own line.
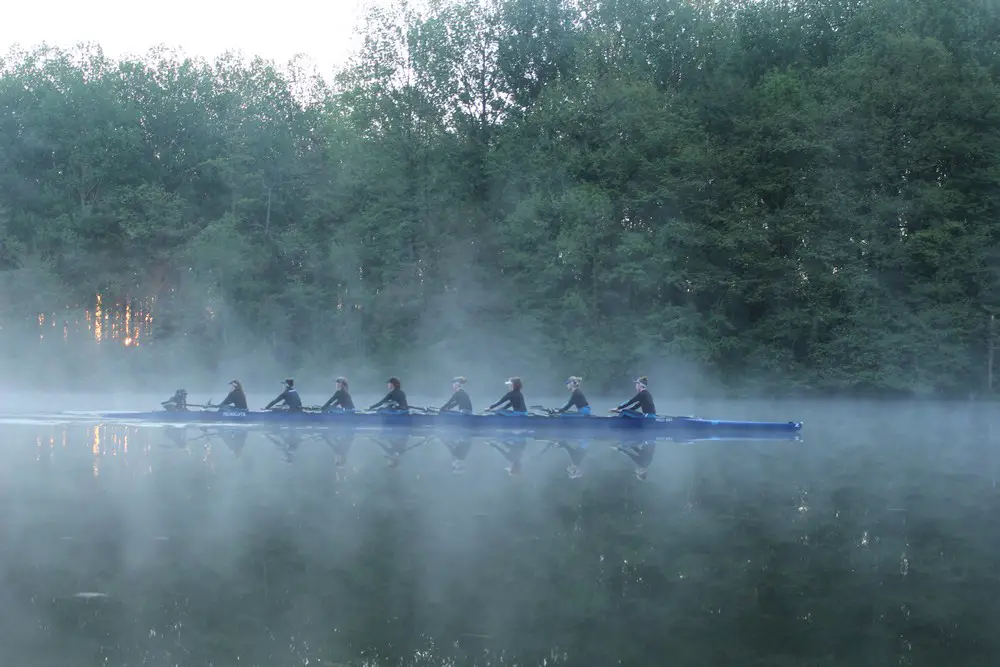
<point x="320" y="29"/>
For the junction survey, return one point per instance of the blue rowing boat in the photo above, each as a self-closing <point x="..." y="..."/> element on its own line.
<point x="488" y="423"/>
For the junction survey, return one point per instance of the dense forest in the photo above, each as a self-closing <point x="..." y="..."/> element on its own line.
<point x="798" y="195"/>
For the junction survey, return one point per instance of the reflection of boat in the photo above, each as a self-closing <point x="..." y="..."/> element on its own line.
<point x="488" y="423"/>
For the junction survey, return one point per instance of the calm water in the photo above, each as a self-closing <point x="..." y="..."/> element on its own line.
<point x="872" y="542"/>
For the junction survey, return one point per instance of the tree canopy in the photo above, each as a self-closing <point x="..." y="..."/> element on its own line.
<point x="794" y="194"/>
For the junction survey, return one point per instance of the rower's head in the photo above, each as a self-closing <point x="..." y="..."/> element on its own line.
<point x="236" y="385"/>
<point x="573" y="382"/>
<point x="342" y="383"/>
<point x="640" y="383"/>
<point x="457" y="383"/>
<point x="180" y="393"/>
<point x="289" y="383"/>
<point x="393" y="382"/>
<point x="514" y="383"/>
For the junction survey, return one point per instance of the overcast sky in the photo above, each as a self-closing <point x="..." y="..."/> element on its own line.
<point x="321" y="29"/>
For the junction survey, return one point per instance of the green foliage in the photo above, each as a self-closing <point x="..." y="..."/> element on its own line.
<point x="786" y="194"/>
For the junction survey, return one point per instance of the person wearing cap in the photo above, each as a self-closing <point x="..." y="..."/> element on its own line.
<point x="576" y="399"/>
<point x="459" y="399"/>
<point x="513" y="400"/>
<point x="340" y="399"/>
<point x="642" y="402"/>
<point x="177" y="402"/>
<point x="236" y="398"/>
<point x="395" y="399"/>
<point x="290" y="397"/>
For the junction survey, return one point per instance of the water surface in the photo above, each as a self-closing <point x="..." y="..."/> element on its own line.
<point x="871" y="542"/>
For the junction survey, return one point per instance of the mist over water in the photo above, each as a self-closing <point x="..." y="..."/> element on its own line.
<point x="868" y="543"/>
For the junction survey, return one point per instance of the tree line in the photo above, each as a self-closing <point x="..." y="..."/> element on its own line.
<point x="788" y="195"/>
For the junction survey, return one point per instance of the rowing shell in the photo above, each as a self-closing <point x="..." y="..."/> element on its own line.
<point x="467" y="422"/>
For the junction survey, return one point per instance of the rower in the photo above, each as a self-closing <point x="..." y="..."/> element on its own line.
<point x="395" y="399"/>
<point x="643" y="400"/>
<point x="513" y="401"/>
<point x="576" y="399"/>
<point x="290" y="397"/>
<point x="177" y="402"/>
<point x="236" y="398"/>
<point x="340" y="399"/>
<point x="459" y="399"/>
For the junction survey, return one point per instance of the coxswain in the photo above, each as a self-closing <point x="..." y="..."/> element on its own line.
<point x="576" y="399"/>
<point x="340" y="399"/>
<point x="459" y="399"/>
<point x="236" y="398"/>
<point x="177" y="402"/>
<point x="513" y="400"/>
<point x="642" y="402"/>
<point x="290" y="397"/>
<point x="395" y="399"/>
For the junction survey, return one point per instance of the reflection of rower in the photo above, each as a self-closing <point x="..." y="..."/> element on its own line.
<point x="341" y="446"/>
<point x="513" y="450"/>
<point x="459" y="449"/>
<point x="235" y="439"/>
<point x="395" y="399"/>
<point x="513" y="401"/>
<point x="641" y="454"/>
<point x="176" y="435"/>
<point x="397" y="447"/>
<point x="641" y="403"/>
<point x="341" y="399"/>
<point x="236" y="398"/>
<point x="177" y="402"/>
<point x="290" y="397"/>
<point x="576" y="456"/>
<point x="459" y="399"/>
<point x="288" y="443"/>
<point x="576" y="399"/>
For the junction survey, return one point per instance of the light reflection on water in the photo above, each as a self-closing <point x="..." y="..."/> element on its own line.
<point x="234" y="545"/>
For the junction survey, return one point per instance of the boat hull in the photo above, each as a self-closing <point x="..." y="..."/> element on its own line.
<point x="466" y="422"/>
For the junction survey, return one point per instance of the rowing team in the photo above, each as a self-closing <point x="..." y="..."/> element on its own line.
<point x="512" y="402"/>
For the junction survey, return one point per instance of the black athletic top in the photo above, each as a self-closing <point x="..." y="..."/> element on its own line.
<point x="643" y="400"/>
<point x="395" y="400"/>
<point x="513" y="400"/>
<point x="291" y="399"/>
<point x="460" y="399"/>
<point x="236" y="398"/>
<point x="576" y="400"/>
<point x="340" y="399"/>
